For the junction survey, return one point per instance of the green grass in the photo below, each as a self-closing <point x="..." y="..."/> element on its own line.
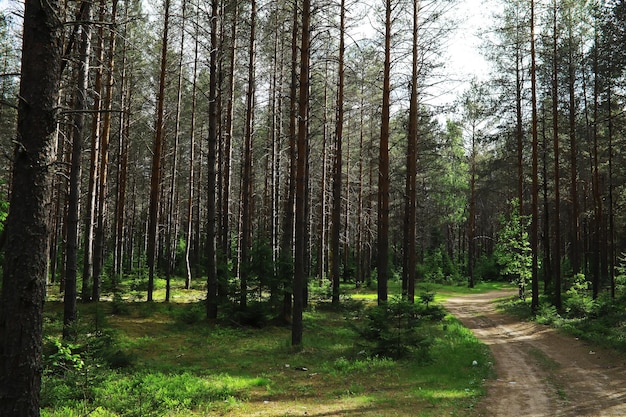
<point x="191" y="368"/>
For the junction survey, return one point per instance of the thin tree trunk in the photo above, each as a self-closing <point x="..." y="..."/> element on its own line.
<point x="170" y="235"/>
<point x="94" y="167"/>
<point x="337" y="169"/>
<point x="192" y="153"/>
<point x="212" y="279"/>
<point x="105" y="139"/>
<point x="557" y="173"/>
<point x="534" y="232"/>
<point x="299" y="276"/>
<point x="410" y="254"/>
<point x="246" y="189"/>
<point x="122" y="174"/>
<point x="383" y="167"/>
<point x="574" y="221"/>
<point x="597" y="195"/>
<point x="547" y="263"/>
<point x="287" y="245"/>
<point x="610" y="202"/>
<point x="471" y="229"/>
<point x="80" y="105"/>
<point x="155" y="179"/>
<point x="322" y="225"/>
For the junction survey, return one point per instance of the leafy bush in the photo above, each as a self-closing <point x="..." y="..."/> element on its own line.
<point x="547" y="314"/>
<point x="255" y="314"/>
<point x="391" y="330"/>
<point x="513" y="252"/>
<point x="191" y="313"/>
<point x="323" y="292"/>
<point x="578" y="301"/>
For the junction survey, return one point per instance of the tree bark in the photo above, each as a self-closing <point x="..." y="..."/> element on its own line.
<point x="557" y="173"/>
<point x="534" y="232"/>
<point x="155" y="178"/>
<point x="383" y="167"/>
<point x="80" y="105"/>
<point x="27" y="230"/>
<point x="212" y="279"/>
<point x="105" y="140"/>
<point x="246" y="182"/>
<point x="410" y="253"/>
<point x="94" y="167"/>
<point x="299" y="276"/>
<point x="192" y="159"/>
<point x="337" y="168"/>
<point x="287" y="244"/>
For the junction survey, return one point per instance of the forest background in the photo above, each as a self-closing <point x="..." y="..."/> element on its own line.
<point x="259" y="149"/>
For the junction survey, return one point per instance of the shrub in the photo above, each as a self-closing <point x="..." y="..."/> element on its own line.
<point x="254" y="315"/>
<point x="578" y="302"/>
<point x="391" y="330"/>
<point x="191" y="313"/>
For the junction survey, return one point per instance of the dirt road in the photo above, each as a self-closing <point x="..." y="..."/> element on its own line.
<point x="539" y="371"/>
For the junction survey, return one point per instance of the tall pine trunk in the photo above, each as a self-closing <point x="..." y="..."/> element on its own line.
<point x="246" y="181"/>
<point x="557" y="173"/>
<point x="155" y="178"/>
<point x="299" y="276"/>
<point x="212" y="279"/>
<point x="80" y="105"/>
<point x="94" y="166"/>
<point x="383" y="167"/>
<point x="105" y="140"/>
<point x="410" y="254"/>
<point x="337" y="169"/>
<point x="192" y="160"/>
<point x="28" y="228"/>
<point x="534" y="232"/>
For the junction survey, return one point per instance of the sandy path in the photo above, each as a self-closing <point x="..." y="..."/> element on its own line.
<point x="539" y="371"/>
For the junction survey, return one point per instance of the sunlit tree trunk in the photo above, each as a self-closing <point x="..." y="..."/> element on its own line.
<point x="410" y="254"/>
<point x="80" y="106"/>
<point x="171" y="234"/>
<point x="227" y="148"/>
<point x="287" y="244"/>
<point x="322" y="247"/>
<point x="155" y="176"/>
<point x="246" y="182"/>
<point x="94" y="166"/>
<point x="105" y="140"/>
<point x="383" y="167"/>
<point x="212" y="278"/>
<point x="122" y="171"/>
<point x="337" y="168"/>
<point x="299" y="276"/>
<point x="192" y="159"/>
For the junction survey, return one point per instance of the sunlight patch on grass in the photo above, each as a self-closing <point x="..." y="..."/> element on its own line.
<point x="444" y="393"/>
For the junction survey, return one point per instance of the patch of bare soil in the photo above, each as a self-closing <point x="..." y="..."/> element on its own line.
<point x="541" y="372"/>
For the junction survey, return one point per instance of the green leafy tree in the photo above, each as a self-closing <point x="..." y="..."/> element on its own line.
<point x="513" y="252"/>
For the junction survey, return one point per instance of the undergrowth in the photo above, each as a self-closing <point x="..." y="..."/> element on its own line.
<point x="601" y="320"/>
<point x="157" y="359"/>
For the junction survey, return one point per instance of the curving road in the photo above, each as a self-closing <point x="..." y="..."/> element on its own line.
<point x="541" y="372"/>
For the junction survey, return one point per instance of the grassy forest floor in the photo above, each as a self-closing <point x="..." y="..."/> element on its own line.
<point x="133" y="358"/>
